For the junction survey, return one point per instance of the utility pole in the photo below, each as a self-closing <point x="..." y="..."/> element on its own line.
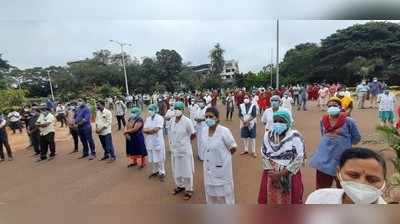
<point x="51" y="85"/>
<point x="123" y="63"/>
<point x="277" y="53"/>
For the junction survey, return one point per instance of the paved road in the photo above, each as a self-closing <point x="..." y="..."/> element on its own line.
<point x="69" y="180"/>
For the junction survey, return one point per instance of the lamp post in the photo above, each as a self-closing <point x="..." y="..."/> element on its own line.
<point x="123" y="62"/>
<point x="51" y="85"/>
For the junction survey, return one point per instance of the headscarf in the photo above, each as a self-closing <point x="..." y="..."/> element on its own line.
<point x="285" y="116"/>
<point x="179" y="105"/>
<point x="336" y="99"/>
<point x="153" y="107"/>
<point x="275" y="98"/>
<point x="136" y="110"/>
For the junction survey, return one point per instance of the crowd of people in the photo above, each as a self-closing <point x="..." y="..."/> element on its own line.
<point x="174" y="121"/>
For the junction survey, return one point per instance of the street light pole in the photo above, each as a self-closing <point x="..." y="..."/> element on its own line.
<point x="272" y="66"/>
<point x="51" y="85"/>
<point x="123" y="63"/>
<point x="277" y="53"/>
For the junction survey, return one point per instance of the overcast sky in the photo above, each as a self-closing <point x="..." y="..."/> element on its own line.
<point x="55" y="32"/>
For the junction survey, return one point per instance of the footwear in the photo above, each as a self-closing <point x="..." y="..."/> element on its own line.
<point x="131" y="165"/>
<point x="162" y="177"/>
<point x="104" y="158"/>
<point x="244" y="153"/>
<point x="112" y="159"/>
<point x="82" y="157"/>
<point x="153" y="175"/>
<point x="10" y="158"/>
<point x="51" y="158"/>
<point x="141" y="167"/>
<point x="74" y="151"/>
<point x="41" y="159"/>
<point x="91" y="157"/>
<point x="178" y="190"/>
<point x="2" y="160"/>
<point x="254" y="155"/>
<point x="188" y="195"/>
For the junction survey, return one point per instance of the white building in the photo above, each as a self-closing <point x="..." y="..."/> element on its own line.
<point x="231" y="67"/>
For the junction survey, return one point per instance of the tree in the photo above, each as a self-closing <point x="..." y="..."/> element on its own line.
<point x="297" y="63"/>
<point x="102" y="56"/>
<point x="217" y="60"/>
<point x="170" y="65"/>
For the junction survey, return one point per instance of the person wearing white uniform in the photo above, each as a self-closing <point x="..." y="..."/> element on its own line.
<point x="193" y="107"/>
<point x="208" y="100"/>
<point x="248" y="120"/>
<point x="169" y="118"/>
<point x="200" y="124"/>
<point x="218" y="175"/>
<point x="386" y="103"/>
<point x="287" y="102"/>
<point x="268" y="114"/>
<point x="153" y="128"/>
<point x="362" y="175"/>
<point x="182" y="132"/>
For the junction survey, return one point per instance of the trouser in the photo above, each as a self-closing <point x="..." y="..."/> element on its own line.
<point x="325" y="181"/>
<point x="106" y="142"/>
<point x="4" y="141"/>
<point x="75" y="136"/>
<point x="296" y="100"/>
<point x="361" y="99"/>
<point x="252" y="142"/>
<point x="373" y="101"/>
<point x="16" y="125"/>
<point x="120" y="118"/>
<point x="46" y="142"/>
<point x="158" y="167"/>
<point x="85" y="134"/>
<point x="302" y="104"/>
<point x="229" y="113"/>
<point x="63" y="119"/>
<point x="228" y="199"/>
<point x="184" y="182"/>
<point x="35" y="138"/>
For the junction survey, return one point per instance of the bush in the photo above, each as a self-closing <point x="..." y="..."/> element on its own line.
<point x="11" y="98"/>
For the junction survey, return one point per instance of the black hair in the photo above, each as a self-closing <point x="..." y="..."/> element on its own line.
<point x="213" y="110"/>
<point x="101" y="103"/>
<point x="362" y="153"/>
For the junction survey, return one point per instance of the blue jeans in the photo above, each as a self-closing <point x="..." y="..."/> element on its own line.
<point x="106" y="142"/>
<point x="85" y="134"/>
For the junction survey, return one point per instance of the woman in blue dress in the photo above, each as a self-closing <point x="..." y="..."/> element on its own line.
<point x="135" y="145"/>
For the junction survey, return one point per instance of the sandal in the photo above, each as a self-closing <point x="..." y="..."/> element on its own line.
<point x="131" y="165"/>
<point x="188" y="196"/>
<point x="153" y="175"/>
<point x="178" y="190"/>
<point x="244" y="153"/>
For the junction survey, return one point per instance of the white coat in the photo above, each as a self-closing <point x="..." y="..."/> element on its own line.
<point x="199" y="127"/>
<point x="218" y="158"/>
<point x="181" y="148"/>
<point x="155" y="143"/>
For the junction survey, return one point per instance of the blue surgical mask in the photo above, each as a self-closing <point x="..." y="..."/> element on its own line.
<point x="134" y="115"/>
<point x="151" y="113"/>
<point x="275" y="104"/>
<point x="333" y="111"/>
<point x="210" y="122"/>
<point x="279" y="128"/>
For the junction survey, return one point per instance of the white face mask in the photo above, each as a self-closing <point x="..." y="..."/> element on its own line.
<point x="361" y="193"/>
<point x="246" y="101"/>
<point x="178" y="113"/>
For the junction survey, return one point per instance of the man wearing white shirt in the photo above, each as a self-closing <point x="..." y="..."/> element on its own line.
<point x="45" y="122"/>
<point x="154" y="138"/>
<point x="4" y="140"/>
<point x="61" y="114"/>
<point x="386" y="103"/>
<point x="15" y="121"/>
<point x="120" y="110"/>
<point x="103" y="129"/>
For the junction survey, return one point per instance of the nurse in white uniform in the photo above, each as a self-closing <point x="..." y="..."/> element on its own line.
<point x="218" y="176"/>
<point x="182" y="133"/>
<point x="200" y="124"/>
<point x="153" y="128"/>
